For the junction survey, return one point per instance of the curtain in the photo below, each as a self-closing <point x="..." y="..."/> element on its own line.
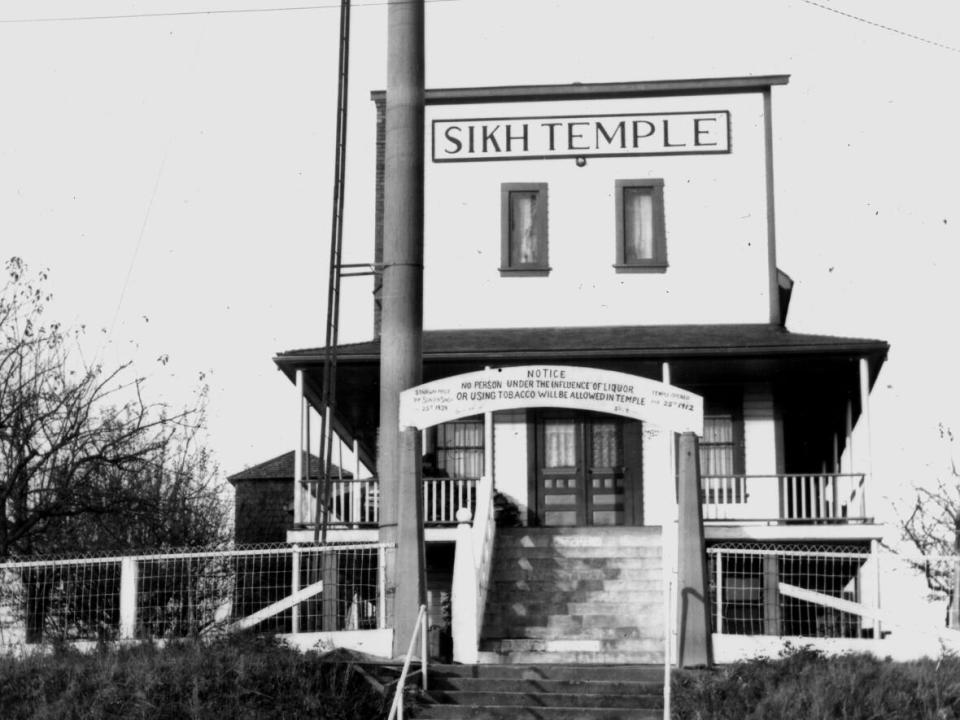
<point x="460" y="448"/>
<point x="560" y="443"/>
<point x="524" y="244"/>
<point x="607" y="449"/>
<point x="637" y="225"/>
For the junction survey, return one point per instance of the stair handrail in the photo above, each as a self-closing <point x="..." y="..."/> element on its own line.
<point x="396" y="708"/>
<point x="471" y="573"/>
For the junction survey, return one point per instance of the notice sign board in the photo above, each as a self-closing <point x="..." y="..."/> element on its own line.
<point x="519" y="138"/>
<point x="557" y="386"/>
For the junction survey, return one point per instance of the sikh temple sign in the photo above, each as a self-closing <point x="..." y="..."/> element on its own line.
<point x="580" y="136"/>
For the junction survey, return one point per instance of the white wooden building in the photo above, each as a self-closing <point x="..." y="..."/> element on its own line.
<point x="625" y="227"/>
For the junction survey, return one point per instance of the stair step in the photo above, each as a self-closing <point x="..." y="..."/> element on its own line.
<point x="573" y="645"/>
<point x="602" y="530"/>
<point x="549" y="560"/>
<point x="561" y="622"/>
<point x="476" y="684"/>
<point x="572" y="658"/>
<point x="521" y="609"/>
<point x="496" y="712"/>
<point x="542" y="587"/>
<point x="543" y="573"/>
<point x="642" y="672"/>
<point x="564" y="555"/>
<point x="511" y="596"/>
<point x="610" y="543"/>
<point x="557" y="632"/>
<point x="585" y="699"/>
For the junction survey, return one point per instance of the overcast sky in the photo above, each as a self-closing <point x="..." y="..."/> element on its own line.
<point x="174" y="174"/>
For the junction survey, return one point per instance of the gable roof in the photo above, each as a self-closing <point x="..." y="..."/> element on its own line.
<point x="281" y="468"/>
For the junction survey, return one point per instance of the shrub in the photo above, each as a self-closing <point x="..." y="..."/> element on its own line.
<point x="238" y="677"/>
<point x="803" y="684"/>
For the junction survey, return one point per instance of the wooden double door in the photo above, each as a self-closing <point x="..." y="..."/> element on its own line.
<point x="588" y="470"/>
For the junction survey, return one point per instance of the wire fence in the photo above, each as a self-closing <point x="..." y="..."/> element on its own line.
<point x="825" y="591"/>
<point x="181" y="594"/>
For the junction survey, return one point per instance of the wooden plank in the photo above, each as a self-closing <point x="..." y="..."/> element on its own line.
<point x="829" y="601"/>
<point x="278" y="607"/>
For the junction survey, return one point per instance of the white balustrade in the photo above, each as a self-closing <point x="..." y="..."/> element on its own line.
<point x="798" y="497"/>
<point x="356" y="503"/>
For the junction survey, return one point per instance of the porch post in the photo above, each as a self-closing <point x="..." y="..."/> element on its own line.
<point x="849" y="430"/>
<point x="488" y="445"/>
<point x="298" y="454"/>
<point x="693" y="615"/>
<point x="867" y="462"/>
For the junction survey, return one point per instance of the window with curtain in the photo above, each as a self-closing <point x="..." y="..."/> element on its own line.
<point x="641" y="239"/>
<point x="718" y="448"/>
<point x="524" y="229"/>
<point x="459" y="448"/>
<point x="559" y="443"/>
<point x="606" y="448"/>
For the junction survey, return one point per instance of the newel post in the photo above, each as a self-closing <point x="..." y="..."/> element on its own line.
<point x="463" y="596"/>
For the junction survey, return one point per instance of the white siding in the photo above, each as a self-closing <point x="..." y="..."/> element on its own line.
<point x="761" y="458"/>
<point x="510" y="465"/>
<point x="715" y="217"/>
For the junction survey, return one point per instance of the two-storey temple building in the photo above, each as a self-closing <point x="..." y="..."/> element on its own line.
<point x="624" y="227"/>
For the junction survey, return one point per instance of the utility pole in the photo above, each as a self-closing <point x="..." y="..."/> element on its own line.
<point x="401" y="339"/>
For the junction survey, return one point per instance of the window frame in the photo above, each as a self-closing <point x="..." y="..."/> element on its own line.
<point x="541" y="225"/>
<point x="657" y="263"/>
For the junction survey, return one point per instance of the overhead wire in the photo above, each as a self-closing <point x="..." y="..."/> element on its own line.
<point x="888" y="28"/>
<point x="221" y="11"/>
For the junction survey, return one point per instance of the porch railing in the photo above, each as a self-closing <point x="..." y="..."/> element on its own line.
<point x="797" y="497"/>
<point x="356" y="503"/>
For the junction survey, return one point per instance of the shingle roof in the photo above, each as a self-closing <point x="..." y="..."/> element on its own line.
<point x="610" y="341"/>
<point x="281" y="468"/>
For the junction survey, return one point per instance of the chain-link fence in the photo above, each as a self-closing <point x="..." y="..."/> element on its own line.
<point x="279" y="588"/>
<point x="826" y="591"/>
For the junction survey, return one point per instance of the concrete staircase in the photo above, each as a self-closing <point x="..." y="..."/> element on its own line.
<point x="546" y="692"/>
<point x="575" y="595"/>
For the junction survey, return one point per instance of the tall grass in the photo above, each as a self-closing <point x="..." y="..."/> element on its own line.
<point x="803" y="684"/>
<point x="238" y="677"/>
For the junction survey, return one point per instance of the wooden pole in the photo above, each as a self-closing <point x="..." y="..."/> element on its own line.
<point x="398" y="462"/>
<point x="693" y="615"/>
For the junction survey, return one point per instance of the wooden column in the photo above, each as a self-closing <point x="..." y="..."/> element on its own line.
<point x="398" y="462"/>
<point x="693" y="600"/>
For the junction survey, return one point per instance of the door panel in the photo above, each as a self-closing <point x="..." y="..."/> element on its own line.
<point x="561" y="466"/>
<point x="581" y="477"/>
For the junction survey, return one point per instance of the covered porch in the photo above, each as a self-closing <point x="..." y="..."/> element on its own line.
<point x="783" y="412"/>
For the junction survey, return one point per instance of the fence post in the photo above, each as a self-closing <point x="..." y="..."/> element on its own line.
<point x="294" y="588"/>
<point x="381" y="589"/>
<point x="875" y="552"/>
<point x="719" y="594"/>
<point x="128" y="598"/>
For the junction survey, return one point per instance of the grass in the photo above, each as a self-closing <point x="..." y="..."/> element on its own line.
<point x="803" y="684"/>
<point x="238" y="677"/>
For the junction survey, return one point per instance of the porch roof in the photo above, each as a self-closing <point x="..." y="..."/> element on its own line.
<point x="635" y="341"/>
<point x="812" y="372"/>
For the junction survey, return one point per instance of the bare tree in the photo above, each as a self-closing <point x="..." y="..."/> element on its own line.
<point x="85" y="462"/>
<point x="933" y="527"/>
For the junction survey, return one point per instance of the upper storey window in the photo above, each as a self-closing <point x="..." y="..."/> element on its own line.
<point x="641" y="241"/>
<point x="523" y="218"/>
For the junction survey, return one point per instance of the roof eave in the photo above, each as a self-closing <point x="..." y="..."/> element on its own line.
<point x="572" y="91"/>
